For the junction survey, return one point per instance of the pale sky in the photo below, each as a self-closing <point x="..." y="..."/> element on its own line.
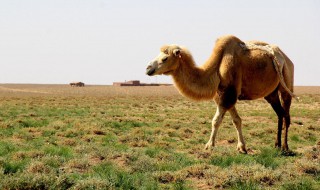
<point x="101" y="41"/>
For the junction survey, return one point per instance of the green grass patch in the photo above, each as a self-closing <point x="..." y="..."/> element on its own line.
<point x="268" y="158"/>
<point x="111" y="141"/>
<point x="295" y="138"/>
<point x="153" y="151"/>
<point x="118" y="179"/>
<point x="48" y="133"/>
<point x="303" y="184"/>
<point x="11" y="167"/>
<point x="228" y="160"/>
<point x="174" y="162"/>
<point x="6" y="148"/>
<point x="33" y="123"/>
<point x="244" y="185"/>
<point x="65" y="152"/>
<point x="180" y="185"/>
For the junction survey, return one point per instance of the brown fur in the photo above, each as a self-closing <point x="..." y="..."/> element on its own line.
<point x="230" y="73"/>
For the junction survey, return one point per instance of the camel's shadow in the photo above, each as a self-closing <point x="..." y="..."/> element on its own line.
<point x="288" y="153"/>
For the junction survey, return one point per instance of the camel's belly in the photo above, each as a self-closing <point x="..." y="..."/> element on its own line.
<point x="259" y="79"/>
<point x="251" y="90"/>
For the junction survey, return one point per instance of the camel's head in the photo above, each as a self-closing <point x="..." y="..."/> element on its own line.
<point x="166" y="62"/>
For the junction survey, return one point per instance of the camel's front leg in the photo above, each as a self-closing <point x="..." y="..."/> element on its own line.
<point x="237" y="123"/>
<point x="216" y="121"/>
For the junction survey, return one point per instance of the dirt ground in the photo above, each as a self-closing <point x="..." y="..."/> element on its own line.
<point x="105" y="90"/>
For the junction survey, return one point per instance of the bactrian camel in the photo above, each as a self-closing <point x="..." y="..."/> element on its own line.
<point x="235" y="70"/>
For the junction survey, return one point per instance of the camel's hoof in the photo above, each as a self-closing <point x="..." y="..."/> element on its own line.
<point x="285" y="148"/>
<point x="242" y="149"/>
<point x="209" y="146"/>
<point x="288" y="153"/>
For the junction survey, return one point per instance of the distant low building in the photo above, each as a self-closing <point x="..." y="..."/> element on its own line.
<point x="76" y="84"/>
<point x="127" y="83"/>
<point x="137" y="83"/>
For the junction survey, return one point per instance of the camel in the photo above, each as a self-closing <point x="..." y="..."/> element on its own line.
<point x="235" y="71"/>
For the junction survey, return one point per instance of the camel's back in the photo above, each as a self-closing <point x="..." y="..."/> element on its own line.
<point x="250" y="70"/>
<point x="259" y="77"/>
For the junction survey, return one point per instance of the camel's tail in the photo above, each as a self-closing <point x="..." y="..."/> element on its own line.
<point x="278" y="61"/>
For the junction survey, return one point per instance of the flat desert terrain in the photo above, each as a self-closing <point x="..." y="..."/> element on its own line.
<point x="104" y="90"/>
<point x="105" y="137"/>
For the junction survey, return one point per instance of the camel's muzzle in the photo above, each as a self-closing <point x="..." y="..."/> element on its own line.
<point x="151" y="69"/>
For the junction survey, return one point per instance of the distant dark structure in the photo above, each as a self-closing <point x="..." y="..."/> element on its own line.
<point x="76" y="84"/>
<point x="137" y="83"/>
<point x="127" y="83"/>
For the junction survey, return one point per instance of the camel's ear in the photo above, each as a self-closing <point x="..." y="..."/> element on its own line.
<point x="177" y="52"/>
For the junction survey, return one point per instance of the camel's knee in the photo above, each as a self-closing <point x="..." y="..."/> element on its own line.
<point x="215" y="124"/>
<point x="216" y="121"/>
<point x="237" y="121"/>
<point x="287" y="120"/>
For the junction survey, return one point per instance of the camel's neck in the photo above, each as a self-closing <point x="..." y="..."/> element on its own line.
<point x="198" y="83"/>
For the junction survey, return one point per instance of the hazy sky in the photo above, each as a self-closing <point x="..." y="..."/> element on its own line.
<point x="101" y="41"/>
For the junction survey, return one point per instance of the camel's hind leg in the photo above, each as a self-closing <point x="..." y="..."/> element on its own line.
<point x="216" y="121"/>
<point x="286" y="103"/>
<point x="237" y="123"/>
<point x="274" y="100"/>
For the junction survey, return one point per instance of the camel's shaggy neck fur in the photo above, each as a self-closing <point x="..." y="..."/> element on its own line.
<point x="198" y="83"/>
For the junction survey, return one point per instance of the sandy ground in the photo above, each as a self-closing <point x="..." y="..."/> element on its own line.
<point x="307" y="90"/>
<point x="105" y="90"/>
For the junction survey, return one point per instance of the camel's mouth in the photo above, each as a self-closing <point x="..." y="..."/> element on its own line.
<point x="167" y="72"/>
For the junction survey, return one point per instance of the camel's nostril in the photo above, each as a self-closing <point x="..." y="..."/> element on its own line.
<point x="150" y="71"/>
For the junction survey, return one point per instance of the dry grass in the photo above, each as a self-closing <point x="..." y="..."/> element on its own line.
<point x="104" y="137"/>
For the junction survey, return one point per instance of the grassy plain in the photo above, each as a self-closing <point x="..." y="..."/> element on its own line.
<point x="104" y="137"/>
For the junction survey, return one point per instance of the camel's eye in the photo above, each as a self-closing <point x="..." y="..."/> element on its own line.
<point x="165" y="59"/>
